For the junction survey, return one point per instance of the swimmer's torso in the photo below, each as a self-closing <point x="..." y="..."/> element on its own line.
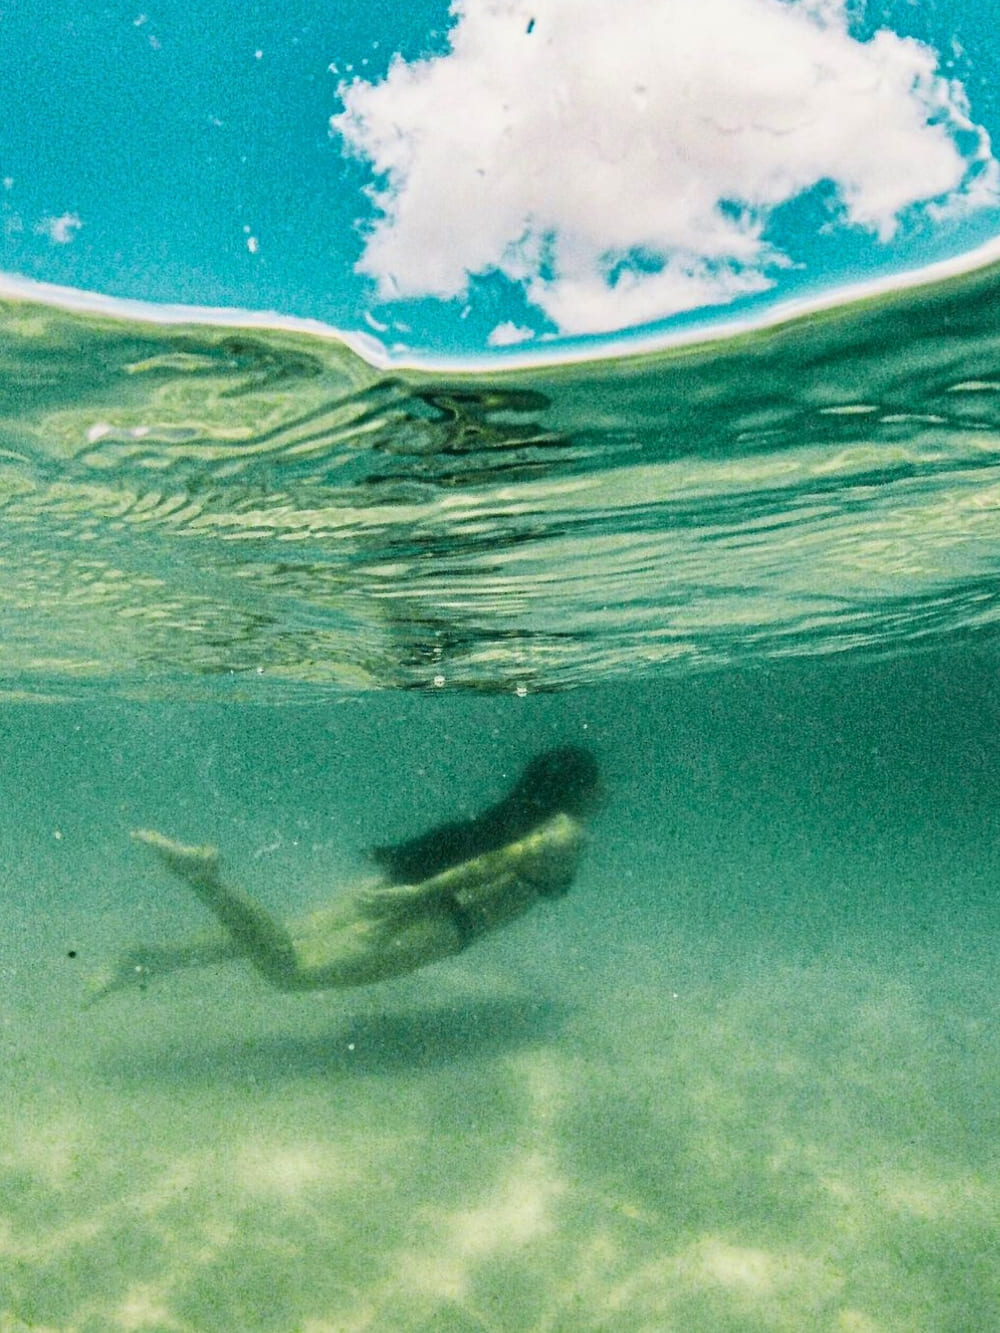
<point x="388" y="931"/>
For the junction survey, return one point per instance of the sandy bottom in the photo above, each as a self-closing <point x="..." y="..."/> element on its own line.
<point x="690" y="1142"/>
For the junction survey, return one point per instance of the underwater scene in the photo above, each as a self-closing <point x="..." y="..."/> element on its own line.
<point x="740" y="1071"/>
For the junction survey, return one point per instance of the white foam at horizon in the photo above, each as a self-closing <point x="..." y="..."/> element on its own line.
<point x="377" y="355"/>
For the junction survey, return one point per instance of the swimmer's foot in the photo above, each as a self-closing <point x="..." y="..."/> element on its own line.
<point x="128" y="973"/>
<point x="198" y="865"/>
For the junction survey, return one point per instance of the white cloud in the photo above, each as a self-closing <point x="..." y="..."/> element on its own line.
<point x="60" y="230"/>
<point x="621" y="159"/>
<point x="508" y="334"/>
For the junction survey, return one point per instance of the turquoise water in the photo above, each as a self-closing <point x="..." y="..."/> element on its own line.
<point x="745" y="1076"/>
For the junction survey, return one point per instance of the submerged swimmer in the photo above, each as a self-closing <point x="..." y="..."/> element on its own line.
<point x="440" y="892"/>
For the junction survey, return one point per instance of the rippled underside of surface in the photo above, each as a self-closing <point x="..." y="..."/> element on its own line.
<point x="183" y="507"/>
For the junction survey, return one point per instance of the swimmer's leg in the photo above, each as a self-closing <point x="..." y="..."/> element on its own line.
<point x="251" y="928"/>
<point x="144" y="962"/>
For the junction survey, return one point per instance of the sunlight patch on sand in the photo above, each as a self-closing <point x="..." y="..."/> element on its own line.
<point x="144" y="1308"/>
<point x="517" y="1211"/>
<point x="287" y="1171"/>
<point x="856" y="1321"/>
<point x="777" y="1290"/>
<point x="921" y="1197"/>
<point x="49" y="1149"/>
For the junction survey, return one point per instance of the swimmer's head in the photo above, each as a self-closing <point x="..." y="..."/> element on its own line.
<point x="560" y="781"/>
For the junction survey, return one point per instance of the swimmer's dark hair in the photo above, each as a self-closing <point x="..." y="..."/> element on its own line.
<point x="560" y="781"/>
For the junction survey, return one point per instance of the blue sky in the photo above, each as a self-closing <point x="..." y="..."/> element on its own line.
<point x="510" y="171"/>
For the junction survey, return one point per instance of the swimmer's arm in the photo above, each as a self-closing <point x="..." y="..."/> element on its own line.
<point x="385" y="900"/>
<point x="391" y="898"/>
<point x="545" y="856"/>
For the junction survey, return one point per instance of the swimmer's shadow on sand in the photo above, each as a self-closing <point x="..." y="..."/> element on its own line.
<point x="392" y="1042"/>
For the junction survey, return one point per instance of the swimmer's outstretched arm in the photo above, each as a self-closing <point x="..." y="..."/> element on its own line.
<point x="254" y="933"/>
<point x="545" y="857"/>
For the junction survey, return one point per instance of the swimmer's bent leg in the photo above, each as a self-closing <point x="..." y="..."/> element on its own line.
<point x="254" y="932"/>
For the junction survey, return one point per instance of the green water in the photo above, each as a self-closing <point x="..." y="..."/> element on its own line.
<point x="744" y="1078"/>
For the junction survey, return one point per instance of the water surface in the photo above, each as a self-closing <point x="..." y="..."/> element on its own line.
<point x="184" y="503"/>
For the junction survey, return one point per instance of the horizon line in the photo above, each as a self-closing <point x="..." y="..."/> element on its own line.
<point x="615" y="347"/>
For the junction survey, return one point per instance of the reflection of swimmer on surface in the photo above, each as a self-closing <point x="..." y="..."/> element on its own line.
<point x="440" y="892"/>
